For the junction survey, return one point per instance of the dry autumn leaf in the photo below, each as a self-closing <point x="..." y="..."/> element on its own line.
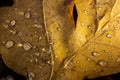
<point x="41" y="39"/>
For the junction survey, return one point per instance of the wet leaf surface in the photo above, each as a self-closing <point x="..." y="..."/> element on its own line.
<point x="43" y="40"/>
<point x="21" y="25"/>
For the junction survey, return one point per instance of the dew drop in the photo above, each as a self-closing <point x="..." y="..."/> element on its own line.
<point x="88" y="59"/>
<point x="40" y="37"/>
<point x="102" y="63"/>
<point x="27" y="15"/>
<point x="13" y="32"/>
<point x="51" y="43"/>
<point x="118" y="15"/>
<point x="19" y="45"/>
<point x="5" y="26"/>
<point x="89" y="26"/>
<point x="108" y="36"/>
<point x="37" y="54"/>
<point x="12" y="23"/>
<point x="43" y="49"/>
<point x="9" y="44"/>
<point x="95" y="53"/>
<point x="31" y="60"/>
<point x="36" y="60"/>
<point x="48" y="62"/>
<point x="31" y="75"/>
<point x="56" y="56"/>
<point x="27" y="46"/>
<point x="106" y="27"/>
<point x="99" y="8"/>
<point x="37" y="26"/>
<point x="46" y="50"/>
<point x="85" y="11"/>
<point x="116" y="28"/>
<point x="59" y="28"/>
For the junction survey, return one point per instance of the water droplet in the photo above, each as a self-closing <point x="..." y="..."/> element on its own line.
<point x="70" y="64"/>
<point x="31" y="75"/>
<point x="36" y="60"/>
<point x="48" y="62"/>
<point x="43" y="49"/>
<point x="56" y="56"/>
<point x="13" y="32"/>
<point x="19" y="45"/>
<point x="89" y="26"/>
<point x="118" y="15"/>
<point x="47" y="50"/>
<point x="27" y="46"/>
<point x="107" y="26"/>
<point x="31" y="60"/>
<point x="12" y="23"/>
<point x="95" y="53"/>
<point x="99" y="8"/>
<point x="102" y="63"/>
<point x="51" y="43"/>
<point x="37" y="26"/>
<point x="85" y="11"/>
<point x="40" y="37"/>
<point x="9" y="44"/>
<point x="37" y="54"/>
<point x="108" y="36"/>
<point x="27" y="15"/>
<point x="59" y="28"/>
<point x="116" y="28"/>
<point x="88" y="59"/>
<point x="5" y="26"/>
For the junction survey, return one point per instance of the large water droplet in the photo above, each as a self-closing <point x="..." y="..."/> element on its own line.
<point x="12" y="23"/>
<point x="27" y="46"/>
<point x="95" y="53"/>
<point x="102" y="63"/>
<point x="9" y="44"/>
<point x="27" y="15"/>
